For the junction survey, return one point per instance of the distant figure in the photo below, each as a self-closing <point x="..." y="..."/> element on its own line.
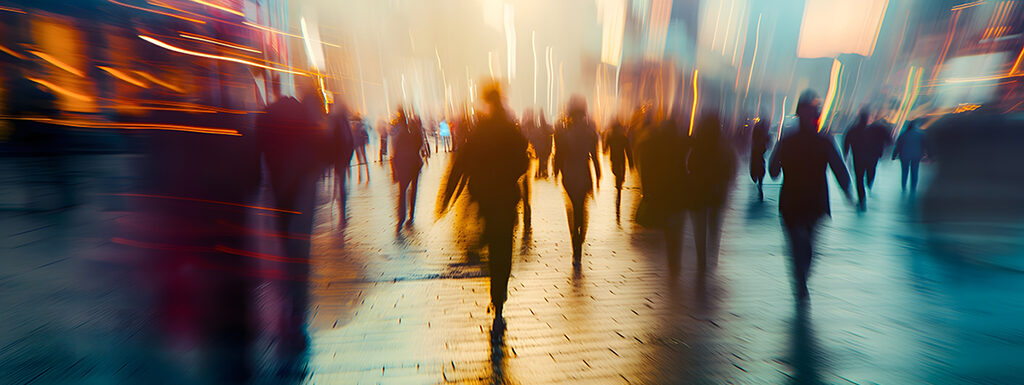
<point x="383" y="131"/>
<point x="576" y="149"/>
<point x="660" y="154"/>
<point x="620" y="155"/>
<point x="803" y="157"/>
<point x="489" y="166"/>
<point x="910" y="148"/>
<point x="406" y="163"/>
<point x="759" y="142"/>
<point x="541" y="141"/>
<point x="343" y="148"/>
<point x="712" y="165"/>
<point x="360" y="138"/>
<point x="867" y="141"/>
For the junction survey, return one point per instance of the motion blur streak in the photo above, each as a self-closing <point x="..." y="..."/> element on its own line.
<point x="216" y="57"/>
<point x="222" y="8"/>
<point x="162" y="83"/>
<point x="123" y="76"/>
<point x="208" y="201"/>
<point x="58" y="63"/>
<point x="62" y="90"/>
<point x="158" y="12"/>
<point x="218" y="42"/>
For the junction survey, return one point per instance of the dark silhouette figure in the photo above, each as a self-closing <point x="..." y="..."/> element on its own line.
<point x="541" y="141"/>
<point x="910" y="149"/>
<point x="382" y="131"/>
<point x="712" y="165"/>
<point x="489" y="166"/>
<point x="660" y="154"/>
<point x="867" y="141"/>
<point x="406" y="163"/>
<point x="343" y="148"/>
<point x="576" y="149"/>
<point x="803" y="157"/>
<point x="621" y="157"/>
<point x="296" y="150"/>
<point x="760" y="140"/>
<point x="360" y="138"/>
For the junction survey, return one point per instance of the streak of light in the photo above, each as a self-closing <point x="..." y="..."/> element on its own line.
<point x="123" y="76"/>
<point x="82" y="123"/>
<point x="271" y="30"/>
<point x="158" y="12"/>
<point x="12" y="53"/>
<point x="967" y="5"/>
<point x="757" y="40"/>
<point x="966" y="107"/>
<point x="510" y="41"/>
<point x="1016" y="65"/>
<point x="725" y="40"/>
<point x="187" y="105"/>
<point x="533" y="44"/>
<point x="909" y="95"/>
<point x="9" y="9"/>
<point x="693" y="109"/>
<point x="782" y="122"/>
<point x="490" y="63"/>
<point x="59" y="64"/>
<point x="258" y="255"/>
<point x="218" y="42"/>
<point x="216" y="57"/>
<point x="833" y="87"/>
<point x="171" y="197"/>
<point x="162" y="83"/>
<point x="220" y="7"/>
<point x="168" y="6"/>
<point x="62" y="90"/>
<point x="980" y="79"/>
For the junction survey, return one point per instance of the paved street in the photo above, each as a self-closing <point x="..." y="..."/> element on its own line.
<point x="412" y="308"/>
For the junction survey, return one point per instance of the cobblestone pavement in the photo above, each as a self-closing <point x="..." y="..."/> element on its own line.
<point x="411" y="308"/>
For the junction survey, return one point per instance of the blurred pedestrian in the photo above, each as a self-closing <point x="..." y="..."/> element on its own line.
<point x="711" y="165"/>
<point x="760" y="140"/>
<point x="621" y="157"/>
<point x="576" y="149"/>
<point x="910" y="149"/>
<point x="867" y="141"/>
<point x="489" y="166"/>
<point x="343" y="148"/>
<point x="406" y="163"/>
<point x="660" y="153"/>
<point x="803" y="158"/>
<point x="541" y="141"/>
<point x="383" y="131"/>
<point x="360" y="138"/>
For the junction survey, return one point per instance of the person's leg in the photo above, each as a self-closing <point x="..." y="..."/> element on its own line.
<point x="700" y="236"/>
<point x="527" y="210"/>
<point x="714" y="232"/>
<point x="499" y="228"/>
<point x="799" y="235"/>
<point x="412" y="197"/>
<point x="870" y="173"/>
<point x="673" y="230"/>
<point x="859" y="171"/>
<point x="760" y="188"/>
<point x="403" y="188"/>
<point x="904" y="166"/>
<point x="914" y="165"/>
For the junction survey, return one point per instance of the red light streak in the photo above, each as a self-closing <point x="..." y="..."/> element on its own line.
<point x="258" y="255"/>
<point x="206" y="201"/>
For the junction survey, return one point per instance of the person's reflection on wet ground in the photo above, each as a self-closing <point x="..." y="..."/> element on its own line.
<point x="620" y="155"/>
<point x="497" y="345"/>
<point x="803" y="157"/>
<point x="712" y="165"/>
<point x="488" y="167"/>
<point x="576" y="149"/>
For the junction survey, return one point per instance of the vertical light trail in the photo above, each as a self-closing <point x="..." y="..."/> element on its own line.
<point x="833" y="87"/>
<point x="782" y="122"/>
<point x="757" y="40"/>
<point x="693" y="109"/>
<point x="533" y="45"/>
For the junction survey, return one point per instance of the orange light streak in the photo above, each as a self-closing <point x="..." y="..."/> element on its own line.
<point x="833" y="88"/>
<point x="82" y="123"/>
<point x="206" y="201"/>
<point x="12" y="53"/>
<point x="271" y="30"/>
<point x="158" y="12"/>
<point x="217" y="42"/>
<point x="945" y="47"/>
<point x="693" y="109"/>
<point x="9" y="9"/>
<point x="216" y="57"/>
<point x="59" y="64"/>
<point x="1016" y="65"/>
<point x="123" y="76"/>
<point x="967" y="5"/>
<point x="220" y="7"/>
<point x="159" y="82"/>
<point x="62" y="90"/>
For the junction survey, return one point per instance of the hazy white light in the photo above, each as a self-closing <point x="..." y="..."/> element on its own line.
<point x="832" y="27"/>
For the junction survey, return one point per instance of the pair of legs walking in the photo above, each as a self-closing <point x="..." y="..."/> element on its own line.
<point x="864" y="172"/>
<point x="909" y="167"/>
<point x="801" y="242"/>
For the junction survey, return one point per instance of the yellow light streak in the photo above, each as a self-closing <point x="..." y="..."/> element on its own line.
<point x="220" y="7"/>
<point x="84" y="123"/>
<point x="62" y="90"/>
<point x="218" y="42"/>
<point x="215" y="57"/>
<point x="123" y="76"/>
<point x="967" y="5"/>
<point x="158" y="12"/>
<point x="159" y="82"/>
<point x="9" y="9"/>
<point x="271" y="30"/>
<point x="58" y="63"/>
<point x="833" y="88"/>
<point x="693" y="109"/>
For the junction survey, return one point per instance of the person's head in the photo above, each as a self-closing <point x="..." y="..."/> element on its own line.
<point x="492" y="97"/>
<point x="808" y="111"/>
<point x="577" y="107"/>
